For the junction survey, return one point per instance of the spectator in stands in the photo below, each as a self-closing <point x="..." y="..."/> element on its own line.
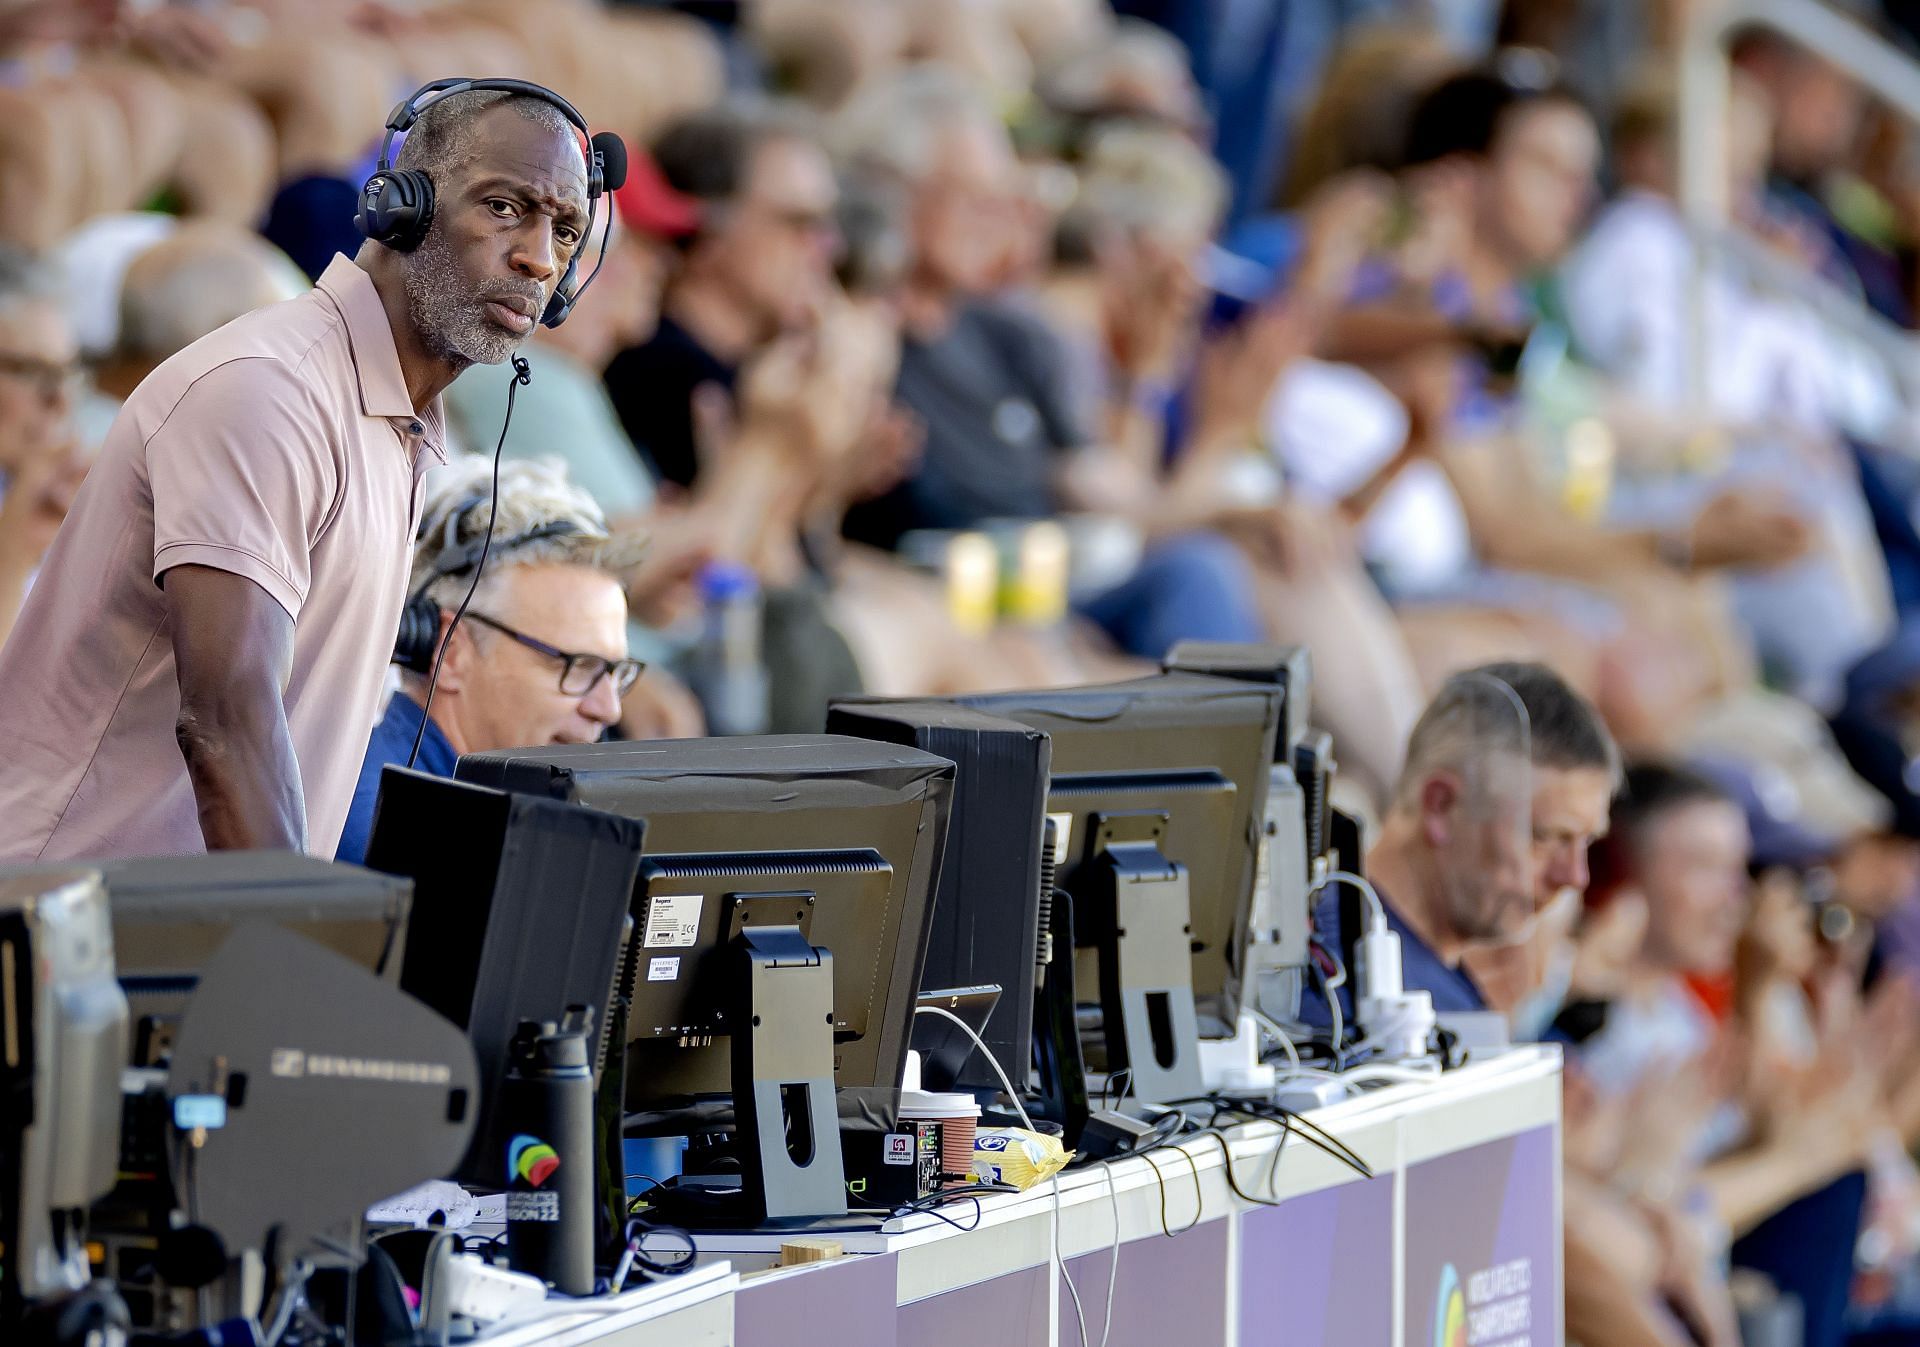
<point x="1777" y="396"/>
<point x="1003" y="440"/>
<point x="759" y="265"/>
<point x="1753" y="1134"/>
<point x="198" y="279"/>
<point x="540" y="656"/>
<point x="762" y="372"/>
<point x="1500" y="166"/>
<point x="1127" y="283"/>
<point x="40" y="464"/>
<point x="207" y="643"/>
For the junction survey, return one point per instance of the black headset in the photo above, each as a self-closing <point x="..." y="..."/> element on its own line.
<point x="396" y="205"/>
<point x="419" y="638"/>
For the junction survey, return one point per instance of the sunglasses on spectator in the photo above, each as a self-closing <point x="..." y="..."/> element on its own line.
<point x="50" y="377"/>
<point x="579" y="674"/>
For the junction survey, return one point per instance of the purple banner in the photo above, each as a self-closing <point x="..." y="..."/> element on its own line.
<point x="1168" y="1291"/>
<point x="1007" y="1310"/>
<point x="1482" y="1246"/>
<point x="849" y="1303"/>
<point x="1311" y="1271"/>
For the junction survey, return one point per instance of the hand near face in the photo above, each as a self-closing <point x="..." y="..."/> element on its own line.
<point x="1152" y="299"/>
<point x="37" y="500"/>
<point x="1239" y="368"/>
<point x="1741" y="528"/>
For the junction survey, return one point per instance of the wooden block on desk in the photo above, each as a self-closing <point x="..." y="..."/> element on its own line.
<point x="808" y="1249"/>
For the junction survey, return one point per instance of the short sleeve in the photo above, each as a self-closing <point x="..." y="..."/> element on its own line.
<point x="243" y="478"/>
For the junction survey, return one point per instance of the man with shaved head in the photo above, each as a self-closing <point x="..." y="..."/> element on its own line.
<point x="202" y="658"/>
<point x="195" y="281"/>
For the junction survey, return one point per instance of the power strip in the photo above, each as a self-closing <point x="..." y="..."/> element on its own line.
<point x="475" y="1289"/>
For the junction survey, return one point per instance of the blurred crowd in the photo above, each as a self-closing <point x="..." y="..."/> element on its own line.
<point x="989" y="344"/>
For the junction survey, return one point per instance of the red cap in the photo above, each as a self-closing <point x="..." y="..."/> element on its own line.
<point x="648" y="203"/>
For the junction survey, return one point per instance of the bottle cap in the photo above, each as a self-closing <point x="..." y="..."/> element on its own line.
<point x="721" y="580"/>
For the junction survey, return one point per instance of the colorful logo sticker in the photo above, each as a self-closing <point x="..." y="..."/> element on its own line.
<point x="1450" y="1311"/>
<point x="531" y="1160"/>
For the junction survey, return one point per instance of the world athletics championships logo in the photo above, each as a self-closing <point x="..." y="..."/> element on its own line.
<point x="1450" y="1311"/>
<point x="533" y="1161"/>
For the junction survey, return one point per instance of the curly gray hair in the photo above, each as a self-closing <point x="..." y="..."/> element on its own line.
<point x="532" y="493"/>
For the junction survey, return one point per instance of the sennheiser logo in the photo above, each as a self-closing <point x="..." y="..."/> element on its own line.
<point x="293" y="1064"/>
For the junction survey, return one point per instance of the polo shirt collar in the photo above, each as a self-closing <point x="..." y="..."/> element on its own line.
<point x="376" y="360"/>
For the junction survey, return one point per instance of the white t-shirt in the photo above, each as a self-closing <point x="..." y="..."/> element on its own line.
<point x="1769" y="360"/>
<point x="1332" y="427"/>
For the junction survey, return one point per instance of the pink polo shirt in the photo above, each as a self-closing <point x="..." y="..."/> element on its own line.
<point x="282" y="448"/>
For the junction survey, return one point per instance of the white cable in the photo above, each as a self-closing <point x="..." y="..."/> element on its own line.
<point x="1059" y="1257"/>
<point x="1367" y="891"/>
<point x="992" y="1061"/>
<point x="1272" y="1026"/>
<point x="1336" y="1024"/>
<point x="1060" y="1261"/>
<point x="1113" y="1267"/>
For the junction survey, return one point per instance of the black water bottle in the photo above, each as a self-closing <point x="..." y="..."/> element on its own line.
<point x="547" y="1104"/>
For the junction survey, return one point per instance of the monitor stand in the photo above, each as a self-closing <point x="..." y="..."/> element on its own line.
<point x="778" y="990"/>
<point x="786" y="1122"/>
<point x="1143" y="923"/>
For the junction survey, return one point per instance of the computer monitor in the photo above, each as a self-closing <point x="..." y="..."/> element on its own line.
<point x="781" y="922"/>
<point x="171" y="914"/>
<point x="989" y="912"/>
<point x="520" y="908"/>
<point x="1158" y="786"/>
<point x="63" y="1044"/>
<point x="1274" y="966"/>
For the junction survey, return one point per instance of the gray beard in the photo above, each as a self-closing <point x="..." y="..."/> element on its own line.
<point x="445" y="312"/>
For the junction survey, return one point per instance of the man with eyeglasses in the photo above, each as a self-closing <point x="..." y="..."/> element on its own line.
<point x="540" y="656"/>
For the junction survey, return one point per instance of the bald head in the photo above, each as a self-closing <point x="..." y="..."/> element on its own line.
<point x="446" y="138"/>
<point x="202" y="277"/>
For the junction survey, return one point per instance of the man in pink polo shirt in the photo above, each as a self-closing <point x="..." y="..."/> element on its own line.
<point x="201" y="660"/>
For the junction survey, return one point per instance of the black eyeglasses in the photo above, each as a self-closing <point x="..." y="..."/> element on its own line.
<point x="579" y="674"/>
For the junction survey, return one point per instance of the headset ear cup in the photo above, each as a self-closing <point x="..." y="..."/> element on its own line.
<point x="396" y="208"/>
<point x="413" y="648"/>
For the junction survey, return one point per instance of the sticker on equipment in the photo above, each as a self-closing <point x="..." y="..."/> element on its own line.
<point x="673" y="920"/>
<point x="663" y="970"/>
<point x="899" y="1148"/>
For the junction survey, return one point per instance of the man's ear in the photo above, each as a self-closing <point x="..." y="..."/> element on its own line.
<point x="458" y="659"/>
<point x="1439" y="808"/>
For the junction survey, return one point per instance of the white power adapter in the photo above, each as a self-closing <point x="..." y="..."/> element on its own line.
<point x="1396" y="1021"/>
<point x="475" y="1289"/>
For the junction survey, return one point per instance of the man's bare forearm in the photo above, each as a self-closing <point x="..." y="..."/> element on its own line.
<point x="246" y="780"/>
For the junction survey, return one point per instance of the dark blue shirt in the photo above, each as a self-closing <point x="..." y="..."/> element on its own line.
<point x="1453" y="991"/>
<point x="392" y="742"/>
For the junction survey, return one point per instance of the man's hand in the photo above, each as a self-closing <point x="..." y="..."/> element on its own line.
<point x="1238" y="371"/>
<point x="1152" y="297"/>
<point x="37" y="500"/>
<point x="1345" y="221"/>
<point x="1739" y="528"/>
<point x="233" y="653"/>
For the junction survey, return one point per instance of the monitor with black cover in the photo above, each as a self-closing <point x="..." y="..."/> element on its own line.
<point x="1158" y="797"/>
<point x="520" y="908"/>
<point x="992" y="907"/>
<point x="781" y="920"/>
<point x="1274" y="967"/>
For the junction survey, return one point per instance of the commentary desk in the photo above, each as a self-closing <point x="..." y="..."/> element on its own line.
<point x="1456" y="1239"/>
